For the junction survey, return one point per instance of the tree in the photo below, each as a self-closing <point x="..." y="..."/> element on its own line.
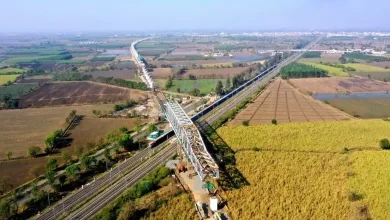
<point x="228" y="84"/>
<point x="169" y="83"/>
<point x="9" y="154"/>
<point x="235" y="82"/>
<point x="66" y="156"/>
<point x="107" y="154"/>
<point x="72" y="171"/>
<point x="61" y="180"/>
<point x="97" y="113"/>
<point x="384" y="144"/>
<point x="7" y="209"/>
<point x="219" y="88"/>
<point x="86" y="162"/>
<point x="274" y="122"/>
<point x="152" y="128"/>
<point x="126" y="141"/>
<point x="53" y="140"/>
<point x="34" y="151"/>
<point x="191" y="77"/>
<point x="123" y="129"/>
<point x="50" y="176"/>
<point x="342" y="60"/>
<point x="51" y="164"/>
<point x="127" y="211"/>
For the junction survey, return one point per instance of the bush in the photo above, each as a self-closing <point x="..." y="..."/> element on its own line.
<point x="34" y="151"/>
<point x="274" y="122"/>
<point x="245" y="123"/>
<point x="384" y="144"/>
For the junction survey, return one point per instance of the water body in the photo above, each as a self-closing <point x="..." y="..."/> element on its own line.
<point x="351" y="96"/>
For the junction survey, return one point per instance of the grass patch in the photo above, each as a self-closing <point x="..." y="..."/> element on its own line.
<point x="5" y="78"/>
<point x="332" y="71"/>
<point x="16" y="90"/>
<point x="366" y="68"/>
<point x="11" y="70"/>
<point x="204" y="85"/>
<point x="365" y="108"/>
<point x="310" y="136"/>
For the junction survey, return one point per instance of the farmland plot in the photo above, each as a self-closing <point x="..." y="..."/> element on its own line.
<point x="69" y="93"/>
<point x="282" y="102"/>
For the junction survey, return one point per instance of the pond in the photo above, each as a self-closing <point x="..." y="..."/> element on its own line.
<point x="351" y="96"/>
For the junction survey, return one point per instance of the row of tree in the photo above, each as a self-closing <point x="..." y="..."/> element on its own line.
<point x="300" y="70"/>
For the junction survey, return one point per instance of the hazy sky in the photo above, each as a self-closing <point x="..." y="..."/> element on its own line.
<point x="146" y="15"/>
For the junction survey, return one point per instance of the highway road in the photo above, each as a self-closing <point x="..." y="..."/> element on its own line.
<point x="91" y="189"/>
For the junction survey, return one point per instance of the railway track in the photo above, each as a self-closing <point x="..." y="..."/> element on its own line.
<point x="91" y="189"/>
<point x="128" y="180"/>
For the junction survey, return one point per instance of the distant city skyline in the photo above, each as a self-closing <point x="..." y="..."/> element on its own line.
<point x="171" y="15"/>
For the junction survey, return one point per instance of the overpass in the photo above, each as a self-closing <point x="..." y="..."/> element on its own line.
<point x="185" y="130"/>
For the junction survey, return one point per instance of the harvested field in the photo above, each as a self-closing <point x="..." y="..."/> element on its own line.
<point x="122" y="74"/>
<point x="161" y="73"/>
<point x="383" y="64"/>
<point x="363" y="107"/>
<point x="92" y="129"/>
<point x="339" y="85"/>
<point x="69" y="93"/>
<point x="330" y="58"/>
<point x="24" y="128"/>
<point x="18" y="172"/>
<point x="282" y="102"/>
<point x="212" y="73"/>
<point x="381" y="76"/>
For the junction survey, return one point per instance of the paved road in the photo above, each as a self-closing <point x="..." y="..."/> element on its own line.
<point x="127" y="181"/>
<point x="93" y="188"/>
<point x="215" y="114"/>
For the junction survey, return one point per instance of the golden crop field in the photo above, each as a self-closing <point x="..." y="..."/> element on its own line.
<point x="290" y="185"/>
<point x="371" y="180"/>
<point x="308" y="136"/>
<point x="178" y="208"/>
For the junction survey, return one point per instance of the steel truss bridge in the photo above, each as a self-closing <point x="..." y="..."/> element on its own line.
<point x="185" y="130"/>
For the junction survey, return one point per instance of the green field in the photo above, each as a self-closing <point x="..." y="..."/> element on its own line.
<point x="11" y="70"/>
<point x="5" y="78"/>
<point x="204" y="85"/>
<point x="36" y="51"/>
<point x="332" y="71"/>
<point x="366" y="68"/>
<point x="363" y="108"/>
<point x="16" y="90"/>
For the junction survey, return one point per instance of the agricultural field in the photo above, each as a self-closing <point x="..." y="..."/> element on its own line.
<point x="363" y="107"/>
<point x="12" y="70"/>
<point x="35" y="79"/>
<point x="290" y="185"/>
<point x="325" y="58"/>
<point x="70" y="93"/>
<point x="330" y="136"/>
<point x="371" y="181"/>
<point x="334" y="85"/>
<point x="185" y="85"/>
<point x="381" y="76"/>
<point x="90" y="130"/>
<point x="5" y="78"/>
<point x="16" y="90"/>
<point x="189" y="63"/>
<point x="212" y="73"/>
<point x="282" y="102"/>
<point x="332" y="71"/>
<point x="382" y="64"/>
<point x="24" y="169"/>
<point x="24" y="128"/>
<point x="366" y="68"/>
<point x="122" y="74"/>
<point x="315" y="170"/>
